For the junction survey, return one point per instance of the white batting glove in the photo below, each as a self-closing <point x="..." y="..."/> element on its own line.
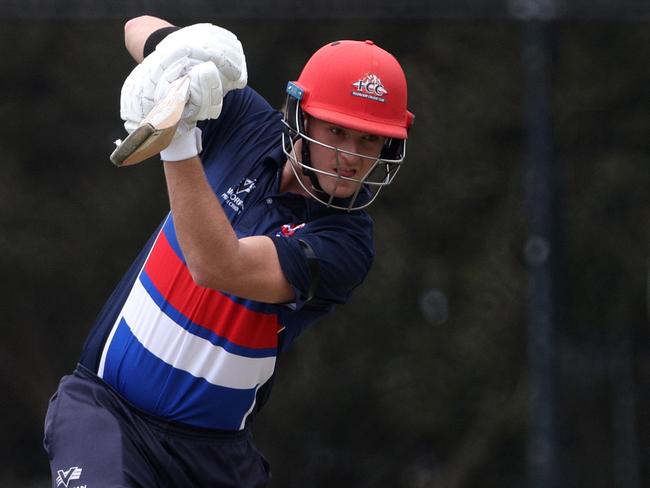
<point x="209" y="42"/>
<point x="184" y="145"/>
<point x="206" y="91"/>
<point x="191" y="49"/>
<point x="138" y="95"/>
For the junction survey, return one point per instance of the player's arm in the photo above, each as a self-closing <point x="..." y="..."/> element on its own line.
<point x="138" y="30"/>
<point x="215" y="257"/>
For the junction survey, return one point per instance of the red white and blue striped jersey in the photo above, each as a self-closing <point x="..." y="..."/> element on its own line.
<point x="202" y="357"/>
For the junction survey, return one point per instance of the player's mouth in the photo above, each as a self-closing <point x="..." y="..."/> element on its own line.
<point x="347" y="173"/>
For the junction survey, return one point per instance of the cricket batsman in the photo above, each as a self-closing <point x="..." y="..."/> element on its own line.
<point x="267" y="232"/>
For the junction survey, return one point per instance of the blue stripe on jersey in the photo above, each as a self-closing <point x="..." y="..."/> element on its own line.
<point x="196" y="329"/>
<point x="162" y="390"/>
<point x="170" y="233"/>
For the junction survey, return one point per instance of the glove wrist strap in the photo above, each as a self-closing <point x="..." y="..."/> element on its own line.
<point x="183" y="146"/>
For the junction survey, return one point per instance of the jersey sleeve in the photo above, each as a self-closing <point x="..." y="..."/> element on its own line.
<point x="327" y="259"/>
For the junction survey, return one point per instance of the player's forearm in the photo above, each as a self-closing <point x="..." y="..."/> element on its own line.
<point x="216" y="258"/>
<point x="204" y="233"/>
<point x="138" y="30"/>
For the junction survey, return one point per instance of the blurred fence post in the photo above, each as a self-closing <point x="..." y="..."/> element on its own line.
<point x="624" y="418"/>
<point x="539" y="258"/>
<point x="539" y="248"/>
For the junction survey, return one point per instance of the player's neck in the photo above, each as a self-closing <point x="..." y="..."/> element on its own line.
<point x="289" y="182"/>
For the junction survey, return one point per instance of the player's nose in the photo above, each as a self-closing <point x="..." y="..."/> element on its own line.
<point x="349" y="153"/>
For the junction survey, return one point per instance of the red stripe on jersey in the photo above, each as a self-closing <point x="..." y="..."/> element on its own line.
<point x="206" y="307"/>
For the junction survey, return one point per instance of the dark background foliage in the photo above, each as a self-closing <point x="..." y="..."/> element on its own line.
<point x="422" y="380"/>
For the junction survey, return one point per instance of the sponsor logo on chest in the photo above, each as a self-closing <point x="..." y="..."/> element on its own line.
<point x="235" y="197"/>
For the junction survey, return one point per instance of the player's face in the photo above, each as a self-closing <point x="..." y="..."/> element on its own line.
<point x="341" y="162"/>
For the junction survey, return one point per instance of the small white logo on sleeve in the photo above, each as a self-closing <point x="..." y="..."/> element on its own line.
<point x="64" y="477"/>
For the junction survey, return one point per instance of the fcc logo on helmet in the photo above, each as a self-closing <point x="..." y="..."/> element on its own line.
<point x="370" y="87"/>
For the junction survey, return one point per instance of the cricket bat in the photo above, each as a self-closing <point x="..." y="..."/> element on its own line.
<point x="156" y="130"/>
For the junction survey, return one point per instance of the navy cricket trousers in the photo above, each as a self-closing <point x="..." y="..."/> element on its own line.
<point x="95" y="438"/>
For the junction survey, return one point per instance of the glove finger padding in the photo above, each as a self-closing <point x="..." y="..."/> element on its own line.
<point x="171" y="73"/>
<point x="131" y="125"/>
<point x="136" y="97"/>
<point x="212" y="43"/>
<point x="206" y="93"/>
<point x="214" y="57"/>
<point x="141" y="89"/>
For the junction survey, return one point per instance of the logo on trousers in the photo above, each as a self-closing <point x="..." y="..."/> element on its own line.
<point x="64" y="477"/>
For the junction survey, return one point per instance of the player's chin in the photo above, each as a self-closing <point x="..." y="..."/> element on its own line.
<point x="340" y="188"/>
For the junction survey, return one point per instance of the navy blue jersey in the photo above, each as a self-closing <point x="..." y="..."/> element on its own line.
<point x="206" y="358"/>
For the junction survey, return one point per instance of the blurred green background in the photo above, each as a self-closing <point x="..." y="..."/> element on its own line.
<point x="422" y="380"/>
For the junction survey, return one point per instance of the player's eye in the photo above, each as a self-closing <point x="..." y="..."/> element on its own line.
<point x="337" y="131"/>
<point x="370" y="138"/>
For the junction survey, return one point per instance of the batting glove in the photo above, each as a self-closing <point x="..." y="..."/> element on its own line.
<point x="209" y="42"/>
<point x="213" y="56"/>
<point x="184" y="145"/>
<point x="138" y="95"/>
<point x="206" y="96"/>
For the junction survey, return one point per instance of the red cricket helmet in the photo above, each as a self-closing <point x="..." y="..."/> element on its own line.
<point x="356" y="84"/>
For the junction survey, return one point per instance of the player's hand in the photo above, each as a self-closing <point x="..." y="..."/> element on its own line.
<point x="206" y="90"/>
<point x="206" y="96"/>
<point x="207" y="42"/>
<point x="138" y="95"/>
<point x="213" y="56"/>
